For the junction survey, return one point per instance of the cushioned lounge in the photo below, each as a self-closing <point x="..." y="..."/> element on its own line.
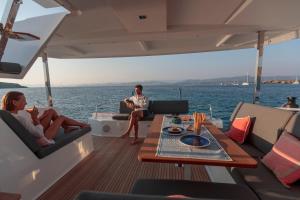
<point x="89" y="195"/>
<point x="269" y="124"/>
<point x="124" y="109"/>
<point x="169" y="107"/>
<point x="29" y="139"/>
<point x="10" y="68"/>
<point x="252" y="151"/>
<point x="293" y="125"/>
<point x="193" y="189"/>
<point x="161" y="189"/>
<point x="61" y="141"/>
<point x="267" y="128"/>
<point x="266" y="185"/>
<point x="120" y="116"/>
<point x="155" y="107"/>
<point x="20" y="131"/>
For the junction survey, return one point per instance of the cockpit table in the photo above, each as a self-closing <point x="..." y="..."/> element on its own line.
<point x="239" y="158"/>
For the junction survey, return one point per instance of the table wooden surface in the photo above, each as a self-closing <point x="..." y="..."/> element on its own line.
<point x="239" y="157"/>
<point x="9" y="196"/>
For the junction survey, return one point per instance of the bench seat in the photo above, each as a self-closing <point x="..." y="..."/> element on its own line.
<point x="62" y="140"/>
<point x="155" y="107"/>
<point x="124" y="116"/>
<point x="265" y="184"/>
<point x="194" y="189"/>
<point x="29" y="169"/>
<point x="29" y="139"/>
<point x="268" y="126"/>
<point x="161" y="189"/>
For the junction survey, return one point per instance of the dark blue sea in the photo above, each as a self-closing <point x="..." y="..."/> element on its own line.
<point x="80" y="102"/>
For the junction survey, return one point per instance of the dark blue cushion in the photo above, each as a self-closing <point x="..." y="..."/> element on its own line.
<point x="29" y="140"/>
<point x="20" y="130"/>
<point x="169" y="107"/>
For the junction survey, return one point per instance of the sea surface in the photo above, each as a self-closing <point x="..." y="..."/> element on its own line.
<point x="80" y="102"/>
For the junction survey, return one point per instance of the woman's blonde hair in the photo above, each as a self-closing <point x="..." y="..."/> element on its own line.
<point x="8" y="98"/>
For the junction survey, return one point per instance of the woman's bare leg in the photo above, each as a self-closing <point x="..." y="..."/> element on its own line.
<point x="49" y="116"/>
<point x="53" y="129"/>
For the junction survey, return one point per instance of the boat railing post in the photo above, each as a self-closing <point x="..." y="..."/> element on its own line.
<point x="258" y="70"/>
<point x="47" y="78"/>
<point x="180" y="93"/>
<point x="210" y="110"/>
<point x="96" y="110"/>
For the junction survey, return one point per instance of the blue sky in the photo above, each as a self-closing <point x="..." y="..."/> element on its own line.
<point x="280" y="59"/>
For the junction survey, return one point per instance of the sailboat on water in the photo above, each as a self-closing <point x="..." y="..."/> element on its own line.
<point x="296" y="82"/>
<point x="247" y="82"/>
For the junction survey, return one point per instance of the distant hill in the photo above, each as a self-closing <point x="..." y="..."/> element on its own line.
<point x="230" y="80"/>
<point x="213" y="81"/>
<point x="10" y="85"/>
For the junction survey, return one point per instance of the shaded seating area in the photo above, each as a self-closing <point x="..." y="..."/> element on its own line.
<point x="155" y="107"/>
<point x="29" y="140"/>
<point x="164" y="189"/>
<point x="34" y="165"/>
<point x="268" y="126"/>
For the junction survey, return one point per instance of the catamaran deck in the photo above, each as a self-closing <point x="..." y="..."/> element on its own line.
<point x="114" y="167"/>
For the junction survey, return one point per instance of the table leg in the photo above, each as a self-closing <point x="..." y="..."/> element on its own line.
<point x="187" y="170"/>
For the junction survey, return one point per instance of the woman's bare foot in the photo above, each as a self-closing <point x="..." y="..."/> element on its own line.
<point x="84" y="125"/>
<point x="69" y="129"/>
<point x="134" y="141"/>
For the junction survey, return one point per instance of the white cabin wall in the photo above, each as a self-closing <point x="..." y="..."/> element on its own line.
<point x="22" y="172"/>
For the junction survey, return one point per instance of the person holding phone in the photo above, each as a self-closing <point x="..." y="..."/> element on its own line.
<point x="45" y="126"/>
<point x="139" y="104"/>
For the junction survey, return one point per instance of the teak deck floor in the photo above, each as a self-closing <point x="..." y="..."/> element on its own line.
<point x="114" y="167"/>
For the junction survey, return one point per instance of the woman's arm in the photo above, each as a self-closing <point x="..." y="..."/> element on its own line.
<point x="34" y="115"/>
<point x="35" y="129"/>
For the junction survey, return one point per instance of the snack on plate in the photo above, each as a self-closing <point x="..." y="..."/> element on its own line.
<point x="174" y="129"/>
<point x="190" y="128"/>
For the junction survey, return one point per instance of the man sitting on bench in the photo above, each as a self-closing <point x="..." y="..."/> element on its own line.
<point x="139" y="104"/>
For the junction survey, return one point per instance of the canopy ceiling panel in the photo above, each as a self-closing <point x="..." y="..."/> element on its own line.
<point x="110" y="28"/>
<point x="200" y="11"/>
<point x="271" y="14"/>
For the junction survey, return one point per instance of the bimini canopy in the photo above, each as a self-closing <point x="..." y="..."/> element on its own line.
<point x="112" y="28"/>
<point x="116" y="28"/>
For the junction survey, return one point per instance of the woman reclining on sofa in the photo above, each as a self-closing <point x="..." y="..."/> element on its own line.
<point x="45" y="126"/>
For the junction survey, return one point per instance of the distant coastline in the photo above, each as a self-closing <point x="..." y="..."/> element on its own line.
<point x="10" y="85"/>
<point x="221" y="81"/>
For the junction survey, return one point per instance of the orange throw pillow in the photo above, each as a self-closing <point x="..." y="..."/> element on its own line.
<point x="239" y="129"/>
<point x="284" y="159"/>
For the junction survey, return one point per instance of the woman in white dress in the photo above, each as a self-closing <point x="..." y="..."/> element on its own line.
<point x="139" y="103"/>
<point x="45" y="126"/>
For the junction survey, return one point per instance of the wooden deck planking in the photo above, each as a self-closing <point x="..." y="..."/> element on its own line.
<point x="114" y="167"/>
